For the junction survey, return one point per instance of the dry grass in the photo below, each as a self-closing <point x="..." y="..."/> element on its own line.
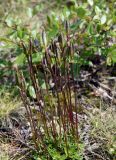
<point x="11" y="112"/>
<point x="8" y="104"/>
<point x="103" y="127"/>
<point x="4" y="149"/>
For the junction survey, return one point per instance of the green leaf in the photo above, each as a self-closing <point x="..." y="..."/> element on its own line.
<point x="32" y="92"/>
<point x="53" y="32"/>
<point x="9" y="22"/>
<point x="90" y="28"/>
<point x="43" y="86"/>
<point x="103" y="19"/>
<point x="20" y="33"/>
<point x="37" y="57"/>
<point x="3" y="63"/>
<point x="44" y="39"/>
<point x="81" y="12"/>
<point x="112" y="151"/>
<point x="111" y="58"/>
<point x="90" y="2"/>
<point x="66" y="12"/>
<point x="97" y="10"/>
<point x="113" y="55"/>
<point x="75" y="25"/>
<point x="37" y="8"/>
<point x="109" y="61"/>
<point x="20" y="59"/>
<point x="49" y="20"/>
<point x="30" y="12"/>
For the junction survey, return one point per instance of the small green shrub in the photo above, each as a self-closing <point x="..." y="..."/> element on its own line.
<point x="56" y="104"/>
<point x="57" y="150"/>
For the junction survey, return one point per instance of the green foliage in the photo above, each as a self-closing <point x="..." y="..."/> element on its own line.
<point x="94" y="27"/>
<point x="57" y="151"/>
<point x="39" y="68"/>
<point x="20" y="60"/>
<point x="81" y="12"/>
<point x="32" y="92"/>
<point x="111" y="58"/>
